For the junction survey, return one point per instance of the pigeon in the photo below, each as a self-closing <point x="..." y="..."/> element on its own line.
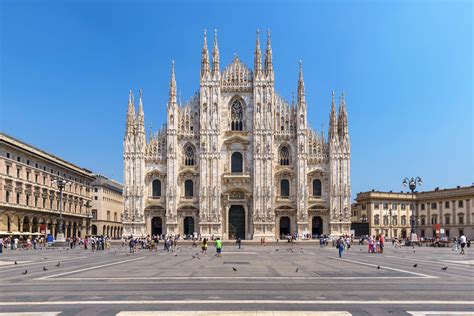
<point x="16" y="262"/>
<point x="444" y="269"/>
<point x="414" y="251"/>
<point x="297" y="269"/>
<point x="44" y="269"/>
<point x="59" y="263"/>
<point x="26" y="271"/>
<point x="233" y="268"/>
<point x="199" y="258"/>
<point x="194" y="257"/>
<point x="378" y="267"/>
<point x="176" y="255"/>
<point x="415" y="265"/>
<point x="276" y="249"/>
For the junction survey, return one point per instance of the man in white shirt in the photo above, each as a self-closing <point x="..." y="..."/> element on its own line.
<point x="462" y="241"/>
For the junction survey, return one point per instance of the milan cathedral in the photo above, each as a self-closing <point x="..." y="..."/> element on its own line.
<point x="236" y="160"/>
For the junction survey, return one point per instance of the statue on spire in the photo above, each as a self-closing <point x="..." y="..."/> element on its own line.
<point x="269" y="57"/>
<point x="215" y="55"/>
<point x="258" y="55"/>
<point x="204" y="57"/>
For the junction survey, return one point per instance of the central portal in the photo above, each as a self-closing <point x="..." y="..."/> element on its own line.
<point x="236" y="222"/>
<point x="156" y="226"/>
<point x="188" y="226"/>
<point x="284" y="226"/>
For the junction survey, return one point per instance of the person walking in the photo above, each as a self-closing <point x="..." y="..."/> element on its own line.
<point x="340" y="246"/>
<point x="239" y="242"/>
<point x="218" y="244"/>
<point x="462" y="241"/>
<point x="204" y="247"/>
<point x="1" y="246"/>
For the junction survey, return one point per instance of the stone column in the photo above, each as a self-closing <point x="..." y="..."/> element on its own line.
<point x="454" y="221"/>
<point x="468" y="212"/>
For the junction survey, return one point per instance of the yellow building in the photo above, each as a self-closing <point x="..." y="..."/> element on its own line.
<point x="29" y="196"/>
<point x="107" y="207"/>
<point x="446" y="212"/>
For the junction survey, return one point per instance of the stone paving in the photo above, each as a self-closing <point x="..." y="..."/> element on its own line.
<point x="284" y="277"/>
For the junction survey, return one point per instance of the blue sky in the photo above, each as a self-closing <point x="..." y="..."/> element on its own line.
<point x="406" y="68"/>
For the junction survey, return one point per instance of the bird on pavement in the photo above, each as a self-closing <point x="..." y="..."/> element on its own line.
<point x="233" y="268"/>
<point x="59" y="263"/>
<point x="16" y="262"/>
<point x="444" y="269"/>
<point x="26" y="271"/>
<point x="176" y="255"/>
<point x="414" y="251"/>
<point x="415" y="265"/>
<point x="194" y="257"/>
<point x="378" y="267"/>
<point x="297" y="269"/>
<point x="44" y="269"/>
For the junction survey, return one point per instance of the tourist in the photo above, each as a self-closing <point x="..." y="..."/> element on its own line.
<point x="204" y="247"/>
<point x="462" y="241"/>
<point x="382" y="242"/>
<point x="238" y="242"/>
<point x="218" y="244"/>
<point x="340" y="246"/>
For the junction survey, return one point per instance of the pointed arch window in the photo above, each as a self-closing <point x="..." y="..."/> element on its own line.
<point x="189" y="155"/>
<point x="188" y="188"/>
<point x="236" y="116"/>
<point x="317" y="187"/>
<point x="285" y="188"/>
<point x="236" y="162"/>
<point x="284" y="156"/>
<point x="156" y="188"/>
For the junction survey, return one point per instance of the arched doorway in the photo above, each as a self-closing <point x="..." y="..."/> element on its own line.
<point x="94" y="230"/>
<point x="404" y="233"/>
<point x="237" y="222"/>
<point x="284" y="226"/>
<point x="317" y="226"/>
<point x="156" y="226"/>
<point x="188" y="225"/>
<point x="26" y="224"/>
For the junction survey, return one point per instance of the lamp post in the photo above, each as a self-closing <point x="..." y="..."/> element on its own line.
<point x="61" y="183"/>
<point x="88" y="218"/>
<point x="412" y="183"/>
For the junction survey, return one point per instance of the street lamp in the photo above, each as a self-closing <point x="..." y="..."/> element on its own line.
<point x="412" y="183"/>
<point x="61" y="183"/>
<point x="88" y="218"/>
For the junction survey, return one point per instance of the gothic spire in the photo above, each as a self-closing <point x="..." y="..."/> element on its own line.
<point x="258" y="56"/>
<point x="151" y="133"/>
<point x="130" y="125"/>
<point x="268" y="57"/>
<point x="301" y="92"/>
<point x="215" y="55"/>
<point x="333" y="120"/>
<point x="140" y="114"/>
<point x="204" y="57"/>
<point x="172" y="93"/>
<point x="343" y="125"/>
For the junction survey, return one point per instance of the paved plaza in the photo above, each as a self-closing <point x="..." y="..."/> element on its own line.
<point x="283" y="277"/>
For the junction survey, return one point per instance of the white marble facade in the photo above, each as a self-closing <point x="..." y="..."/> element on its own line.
<point x="236" y="160"/>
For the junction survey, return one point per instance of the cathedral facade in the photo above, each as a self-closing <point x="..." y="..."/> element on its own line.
<point x="236" y="160"/>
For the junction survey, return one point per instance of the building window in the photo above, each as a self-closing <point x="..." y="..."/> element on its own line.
<point x="115" y="216"/>
<point x="461" y="232"/>
<point x="446" y="204"/>
<point x="376" y="206"/>
<point x="27" y="176"/>
<point x="460" y="203"/>
<point x="156" y="187"/>
<point x="188" y="188"/>
<point x="394" y="220"/>
<point x="461" y="219"/>
<point x="317" y="188"/>
<point x="8" y="155"/>
<point x="17" y="173"/>
<point x="96" y="190"/>
<point x="423" y="207"/>
<point x="446" y="220"/>
<point x="236" y="116"/>
<point x="108" y="215"/>
<point x="403" y="206"/>
<point x="423" y="233"/>
<point x="377" y="220"/>
<point x="285" y="188"/>
<point x="28" y="162"/>
<point x="94" y="214"/>
<point x="403" y="222"/>
<point x="18" y="158"/>
<point x="44" y="202"/>
<point x="447" y="233"/>
<point x="423" y="221"/>
<point x="434" y="206"/>
<point x="8" y="170"/>
<point x="284" y="156"/>
<point x="364" y="207"/>
<point x="95" y="197"/>
<point x="36" y="178"/>
<point x="44" y="180"/>
<point x="434" y="220"/>
<point x="27" y="199"/>
<point x="394" y="206"/>
<point x="385" y="206"/>
<point x="18" y="198"/>
<point x="236" y="162"/>
<point x="385" y="220"/>
<point x="7" y="196"/>
<point x="189" y="156"/>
